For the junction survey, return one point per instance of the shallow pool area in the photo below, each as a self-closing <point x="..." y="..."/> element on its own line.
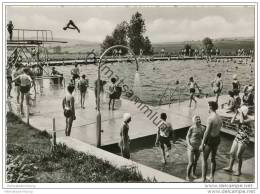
<point x="144" y="152"/>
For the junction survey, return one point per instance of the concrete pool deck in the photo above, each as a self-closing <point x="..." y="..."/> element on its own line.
<point x="48" y="106"/>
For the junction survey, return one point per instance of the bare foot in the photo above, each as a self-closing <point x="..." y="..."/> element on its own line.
<point x="194" y="176"/>
<point x="227" y="169"/>
<point x="163" y="161"/>
<point x="237" y="173"/>
<point x="188" y="179"/>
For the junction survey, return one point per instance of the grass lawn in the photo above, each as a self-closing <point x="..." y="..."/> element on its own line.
<point x="31" y="159"/>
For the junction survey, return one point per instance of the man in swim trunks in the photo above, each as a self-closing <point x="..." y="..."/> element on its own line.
<point x="194" y="138"/>
<point x="75" y="73"/>
<point x="83" y="86"/>
<point x="26" y="83"/>
<point x="163" y="137"/>
<point x="217" y="85"/>
<point x="211" y="141"/>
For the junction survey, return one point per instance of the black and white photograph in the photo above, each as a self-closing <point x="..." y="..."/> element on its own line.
<point x="163" y="94"/>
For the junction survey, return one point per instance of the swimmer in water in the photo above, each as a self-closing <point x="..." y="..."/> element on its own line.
<point x="194" y="138"/>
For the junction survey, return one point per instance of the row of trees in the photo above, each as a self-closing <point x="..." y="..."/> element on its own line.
<point x="208" y="48"/>
<point x="130" y="34"/>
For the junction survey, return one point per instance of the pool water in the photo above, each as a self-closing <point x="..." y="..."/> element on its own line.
<point x="146" y="154"/>
<point x="156" y="76"/>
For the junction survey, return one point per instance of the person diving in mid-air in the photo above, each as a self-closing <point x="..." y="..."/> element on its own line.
<point x="71" y="25"/>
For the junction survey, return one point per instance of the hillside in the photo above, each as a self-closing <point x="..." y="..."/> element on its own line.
<point x="226" y="45"/>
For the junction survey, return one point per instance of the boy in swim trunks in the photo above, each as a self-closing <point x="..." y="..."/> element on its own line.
<point x="83" y="86"/>
<point x="241" y="140"/>
<point x="163" y="137"/>
<point x="68" y="105"/>
<point x="75" y="73"/>
<point x="217" y="85"/>
<point x="194" y="138"/>
<point x="192" y="84"/>
<point x="25" y="86"/>
<point x="211" y="141"/>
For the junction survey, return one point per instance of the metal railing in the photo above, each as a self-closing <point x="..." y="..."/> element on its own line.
<point x="40" y="35"/>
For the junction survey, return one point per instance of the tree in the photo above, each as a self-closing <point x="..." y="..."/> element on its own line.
<point x="135" y="32"/>
<point x="208" y="44"/>
<point x="108" y="42"/>
<point x="187" y="49"/>
<point x="148" y="49"/>
<point x="57" y="49"/>
<point x="119" y="36"/>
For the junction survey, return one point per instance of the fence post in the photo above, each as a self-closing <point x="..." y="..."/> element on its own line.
<point x="54" y="132"/>
<point x="27" y="110"/>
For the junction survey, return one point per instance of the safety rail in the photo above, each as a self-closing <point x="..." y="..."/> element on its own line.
<point x="41" y="35"/>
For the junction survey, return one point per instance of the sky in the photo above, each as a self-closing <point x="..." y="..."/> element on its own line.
<point x="163" y="23"/>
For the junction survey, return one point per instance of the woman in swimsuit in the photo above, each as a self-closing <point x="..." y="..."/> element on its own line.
<point x="192" y="84"/>
<point x="194" y="138"/>
<point x="241" y="140"/>
<point x="69" y="109"/>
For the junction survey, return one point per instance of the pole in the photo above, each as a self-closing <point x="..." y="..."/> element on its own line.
<point x="98" y="109"/>
<point x="28" y="110"/>
<point x="54" y="131"/>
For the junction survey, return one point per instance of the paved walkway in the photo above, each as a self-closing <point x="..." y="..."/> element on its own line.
<point x="48" y="106"/>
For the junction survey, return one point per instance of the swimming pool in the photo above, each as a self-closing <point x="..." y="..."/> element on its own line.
<point x="156" y="76"/>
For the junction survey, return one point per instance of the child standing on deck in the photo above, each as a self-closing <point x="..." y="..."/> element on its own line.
<point x="194" y="138"/>
<point x="192" y="85"/>
<point x="164" y="133"/>
<point x="83" y="86"/>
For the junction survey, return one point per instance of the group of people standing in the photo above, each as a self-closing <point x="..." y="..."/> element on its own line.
<point x="82" y="85"/>
<point x="204" y="140"/>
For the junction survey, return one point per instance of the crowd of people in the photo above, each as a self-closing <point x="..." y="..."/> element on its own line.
<point x="200" y="140"/>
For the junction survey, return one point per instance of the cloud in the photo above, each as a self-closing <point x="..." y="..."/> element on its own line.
<point x="162" y="30"/>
